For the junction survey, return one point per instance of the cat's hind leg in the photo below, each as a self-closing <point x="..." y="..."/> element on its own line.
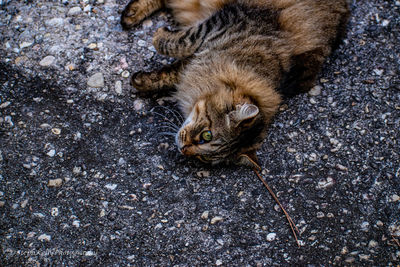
<point x="137" y="10"/>
<point x="159" y="80"/>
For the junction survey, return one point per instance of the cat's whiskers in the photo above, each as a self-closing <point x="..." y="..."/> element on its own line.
<point x="170" y="127"/>
<point x="177" y="115"/>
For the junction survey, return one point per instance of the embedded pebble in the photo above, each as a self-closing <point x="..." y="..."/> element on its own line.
<point x="47" y="61"/>
<point x="364" y="226"/>
<point x="76" y="223"/>
<point x="147" y="23"/>
<point x="54" y="212"/>
<point x="25" y="44"/>
<point x="5" y="104"/>
<point x="271" y="237"/>
<point x="74" y="11"/>
<point x="87" y="8"/>
<point x="203" y="174"/>
<point x="142" y="43"/>
<point x="111" y="186"/>
<point x="204" y="215"/>
<point x="44" y="237"/>
<point x="55" y="22"/>
<point x="118" y="87"/>
<point x="55" y="182"/>
<point x="56" y="131"/>
<point x="315" y="91"/>
<point x="96" y="80"/>
<point x="125" y="74"/>
<point x="92" y="46"/>
<point x="216" y="219"/>
<point x="394" y="198"/>
<point x="138" y="104"/>
<point x="218" y="263"/>
<point x="51" y="153"/>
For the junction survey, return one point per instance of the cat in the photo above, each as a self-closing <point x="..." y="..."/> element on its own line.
<point x="237" y="60"/>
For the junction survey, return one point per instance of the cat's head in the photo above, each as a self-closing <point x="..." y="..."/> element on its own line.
<point x="220" y="130"/>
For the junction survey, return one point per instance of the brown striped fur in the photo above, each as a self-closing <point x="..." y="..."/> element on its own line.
<point x="237" y="60"/>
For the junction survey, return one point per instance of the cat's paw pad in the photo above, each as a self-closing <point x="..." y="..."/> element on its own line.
<point x="143" y="81"/>
<point x="132" y="14"/>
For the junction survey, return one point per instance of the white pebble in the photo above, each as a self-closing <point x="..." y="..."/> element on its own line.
<point x="25" y="44"/>
<point x="218" y="263"/>
<point x="96" y="80"/>
<point x="54" y="212"/>
<point x="55" y="22"/>
<point x="111" y="186"/>
<point x="142" y="43"/>
<point x="44" y="237"/>
<point x="87" y="8"/>
<point x="125" y="74"/>
<point x="316" y="90"/>
<point x="118" y="87"/>
<point x="74" y="11"/>
<point x="271" y="237"/>
<point x="138" y="104"/>
<point x="47" y="61"/>
<point x="51" y="153"/>
<point x="5" y="104"/>
<point x="147" y="23"/>
<point x="76" y="223"/>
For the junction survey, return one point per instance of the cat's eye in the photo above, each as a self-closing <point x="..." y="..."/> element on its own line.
<point x="205" y="136"/>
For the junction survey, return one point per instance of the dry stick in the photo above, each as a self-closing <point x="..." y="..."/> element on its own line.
<point x="291" y="223"/>
<point x="396" y="241"/>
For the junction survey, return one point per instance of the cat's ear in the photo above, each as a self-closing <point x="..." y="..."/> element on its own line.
<point x="249" y="159"/>
<point x="244" y="114"/>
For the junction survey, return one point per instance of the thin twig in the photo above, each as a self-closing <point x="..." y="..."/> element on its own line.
<point x="289" y="219"/>
<point x="395" y="240"/>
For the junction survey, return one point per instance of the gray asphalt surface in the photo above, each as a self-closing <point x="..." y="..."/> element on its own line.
<point x="86" y="178"/>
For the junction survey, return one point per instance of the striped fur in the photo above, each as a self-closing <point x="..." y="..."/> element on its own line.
<point x="237" y="56"/>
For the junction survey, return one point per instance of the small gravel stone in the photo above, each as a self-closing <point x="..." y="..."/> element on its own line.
<point x="142" y="43"/>
<point x="44" y="237"/>
<point x="76" y="223"/>
<point x="315" y="91"/>
<point x="96" y="80"/>
<point x="25" y="44"/>
<point x="271" y="237"/>
<point x="51" y="153"/>
<point x="5" y="104"/>
<point x="118" y="87"/>
<point x="74" y="11"/>
<point x="54" y="212"/>
<point x="56" y="131"/>
<point x="216" y="219"/>
<point x="218" y="263"/>
<point x="138" y="104"/>
<point x="204" y="215"/>
<point x="203" y="174"/>
<point x="55" y="182"/>
<point x="111" y="186"/>
<point x="55" y="22"/>
<point x="47" y="61"/>
<point x="125" y="74"/>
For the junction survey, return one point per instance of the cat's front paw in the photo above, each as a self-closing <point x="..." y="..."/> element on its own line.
<point x="132" y="14"/>
<point x="144" y="81"/>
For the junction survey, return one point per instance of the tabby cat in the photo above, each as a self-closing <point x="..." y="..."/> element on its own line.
<point x="236" y="61"/>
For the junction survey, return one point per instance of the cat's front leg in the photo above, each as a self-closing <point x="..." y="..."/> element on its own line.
<point x="160" y="80"/>
<point x="179" y="43"/>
